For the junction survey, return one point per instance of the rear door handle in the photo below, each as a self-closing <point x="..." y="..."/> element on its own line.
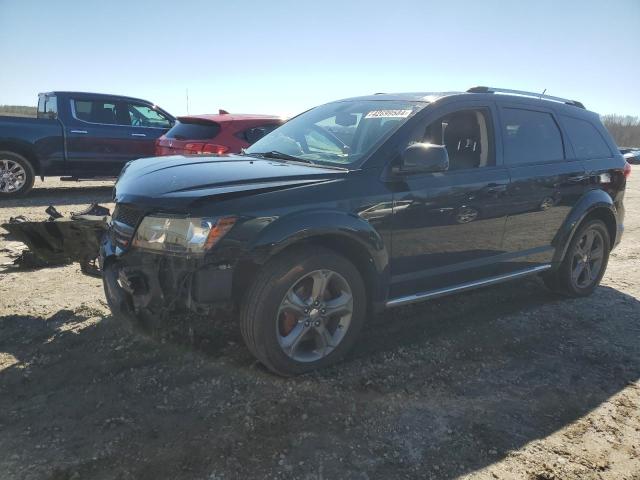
<point x="84" y="132"/>
<point x="579" y="178"/>
<point x="138" y="135"/>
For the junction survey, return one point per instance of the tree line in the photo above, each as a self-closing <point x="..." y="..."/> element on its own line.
<point x="18" y="110"/>
<point x="624" y="129"/>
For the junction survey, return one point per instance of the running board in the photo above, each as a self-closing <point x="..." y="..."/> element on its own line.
<point x="82" y="179"/>
<point x="418" y="297"/>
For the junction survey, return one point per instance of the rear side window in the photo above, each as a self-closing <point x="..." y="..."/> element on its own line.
<point x="587" y="141"/>
<point x="96" y="111"/>
<point x="193" y="131"/>
<point x="530" y="137"/>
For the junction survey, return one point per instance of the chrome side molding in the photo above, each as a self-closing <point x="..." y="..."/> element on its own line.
<point x="418" y="297"/>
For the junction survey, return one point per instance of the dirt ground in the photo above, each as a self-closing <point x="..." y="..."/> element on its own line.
<point x="506" y="382"/>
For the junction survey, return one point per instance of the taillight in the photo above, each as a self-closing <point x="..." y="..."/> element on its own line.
<point x="627" y="169"/>
<point x="158" y="146"/>
<point x="213" y="148"/>
<point x="205" y="148"/>
<point x="193" y="147"/>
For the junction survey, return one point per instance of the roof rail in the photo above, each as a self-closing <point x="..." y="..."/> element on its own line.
<point x="575" y="103"/>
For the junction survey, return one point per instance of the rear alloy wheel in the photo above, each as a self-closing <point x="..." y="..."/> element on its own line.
<point x="304" y="311"/>
<point x="585" y="261"/>
<point x="16" y="175"/>
<point x="588" y="255"/>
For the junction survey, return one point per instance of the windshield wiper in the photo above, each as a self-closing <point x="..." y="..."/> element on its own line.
<point x="281" y="156"/>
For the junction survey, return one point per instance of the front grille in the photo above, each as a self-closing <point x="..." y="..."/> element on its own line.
<point x="125" y="219"/>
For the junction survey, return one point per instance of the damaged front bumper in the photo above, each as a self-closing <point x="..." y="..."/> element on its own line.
<point x="61" y="240"/>
<point x="148" y="285"/>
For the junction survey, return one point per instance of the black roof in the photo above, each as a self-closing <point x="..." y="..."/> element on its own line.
<point x="479" y="93"/>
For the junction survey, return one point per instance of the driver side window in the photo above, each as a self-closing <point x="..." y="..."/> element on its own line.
<point x="467" y="135"/>
<point x="145" y="116"/>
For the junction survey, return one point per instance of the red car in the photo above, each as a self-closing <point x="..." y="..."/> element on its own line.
<point x="222" y="133"/>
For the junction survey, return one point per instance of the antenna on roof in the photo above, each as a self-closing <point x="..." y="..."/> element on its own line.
<point x="223" y="112"/>
<point x="187" y="92"/>
<point x="543" y="92"/>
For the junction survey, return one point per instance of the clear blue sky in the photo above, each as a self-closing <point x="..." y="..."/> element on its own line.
<point x="285" y="56"/>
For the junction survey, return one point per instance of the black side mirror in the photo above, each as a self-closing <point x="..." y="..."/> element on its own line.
<point x="424" y="158"/>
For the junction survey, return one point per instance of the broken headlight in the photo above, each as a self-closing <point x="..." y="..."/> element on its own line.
<point x="181" y="234"/>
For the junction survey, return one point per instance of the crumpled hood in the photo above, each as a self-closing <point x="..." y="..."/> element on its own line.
<point x="189" y="178"/>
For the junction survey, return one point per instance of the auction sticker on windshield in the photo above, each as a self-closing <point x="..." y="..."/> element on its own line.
<point x="388" y="114"/>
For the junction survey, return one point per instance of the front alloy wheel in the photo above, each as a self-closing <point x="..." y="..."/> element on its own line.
<point x="314" y="316"/>
<point x="304" y="310"/>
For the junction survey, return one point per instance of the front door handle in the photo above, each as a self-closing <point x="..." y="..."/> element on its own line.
<point x="138" y="135"/>
<point x="496" y="188"/>
<point x="84" y="132"/>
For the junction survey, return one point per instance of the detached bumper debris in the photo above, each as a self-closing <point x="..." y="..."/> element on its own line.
<point x="61" y="240"/>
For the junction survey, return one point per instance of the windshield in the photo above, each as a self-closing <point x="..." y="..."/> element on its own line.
<point x="341" y="133"/>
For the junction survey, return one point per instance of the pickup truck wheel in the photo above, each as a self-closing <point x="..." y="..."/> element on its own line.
<point x="16" y="175"/>
<point x="303" y="311"/>
<point x="584" y="263"/>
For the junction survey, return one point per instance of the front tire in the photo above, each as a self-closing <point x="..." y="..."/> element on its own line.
<point x="16" y="175"/>
<point x="584" y="263"/>
<point x="303" y="311"/>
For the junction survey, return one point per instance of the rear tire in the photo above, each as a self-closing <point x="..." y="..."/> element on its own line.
<point x="303" y="311"/>
<point x="16" y="175"/>
<point x="584" y="263"/>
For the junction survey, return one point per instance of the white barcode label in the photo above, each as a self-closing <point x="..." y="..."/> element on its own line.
<point x="388" y="114"/>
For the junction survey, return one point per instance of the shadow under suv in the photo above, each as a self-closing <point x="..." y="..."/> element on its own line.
<point x="363" y="204"/>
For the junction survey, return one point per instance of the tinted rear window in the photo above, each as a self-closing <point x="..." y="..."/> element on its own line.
<point x="530" y="137"/>
<point x="193" y="131"/>
<point x="587" y="141"/>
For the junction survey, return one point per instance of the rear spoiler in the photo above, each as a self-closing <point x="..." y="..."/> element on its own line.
<point x="197" y="121"/>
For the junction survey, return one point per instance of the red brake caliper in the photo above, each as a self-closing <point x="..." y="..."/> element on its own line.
<point x="287" y="322"/>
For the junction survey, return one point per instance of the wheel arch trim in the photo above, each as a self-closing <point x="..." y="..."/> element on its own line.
<point x="594" y="203"/>
<point x="291" y="229"/>
<point x="340" y="231"/>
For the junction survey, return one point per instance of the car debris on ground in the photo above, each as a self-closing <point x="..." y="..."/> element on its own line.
<point x="60" y="240"/>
